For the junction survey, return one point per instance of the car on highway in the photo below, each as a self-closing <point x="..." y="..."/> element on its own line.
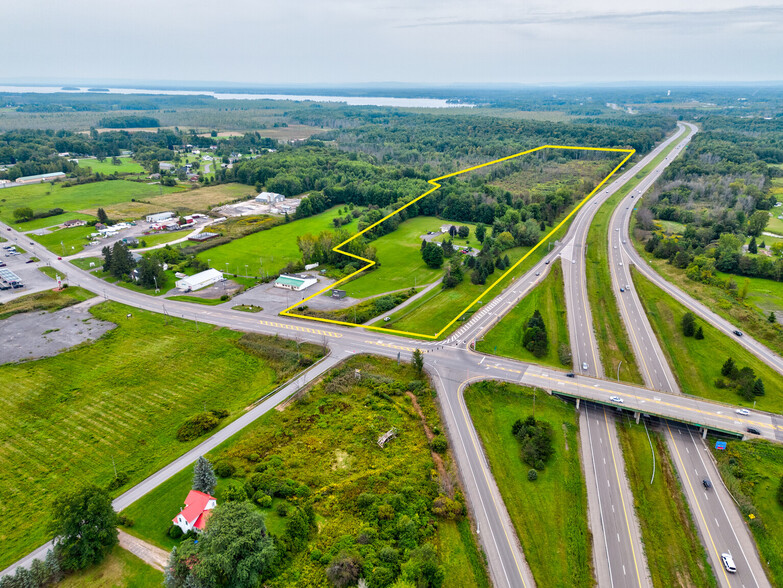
<point x="538" y="273"/>
<point x="706" y="483"/>
<point x="584" y="365"/>
<point x="622" y="289"/>
<point x="621" y="263"/>
<point x="570" y="375"/>
<point x="753" y="431"/>
<point x="30" y="261"/>
<point x="547" y="262"/>
<point x="742" y="411"/>
<point x="737" y="333"/>
<point x="616" y="399"/>
<point x="728" y="562"/>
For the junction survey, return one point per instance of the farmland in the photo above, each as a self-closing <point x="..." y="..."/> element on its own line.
<point x="202" y="199"/>
<point x="326" y="441"/>
<point x="66" y="419"/>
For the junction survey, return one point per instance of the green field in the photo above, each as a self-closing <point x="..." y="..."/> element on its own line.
<point x="327" y="440"/>
<point x="119" y="400"/>
<point x="45" y="300"/>
<point x="675" y="556"/>
<point x="84" y="262"/>
<point x="161" y="238"/>
<point x="65" y="242"/>
<point x="270" y="250"/>
<point x="697" y="364"/>
<point x="399" y="258"/>
<point x="752" y="472"/>
<point x="550" y="514"/>
<point x="548" y="298"/>
<point x="50" y="221"/>
<point x="42" y="197"/>
<point x="120" y="569"/>
<point x="126" y="166"/>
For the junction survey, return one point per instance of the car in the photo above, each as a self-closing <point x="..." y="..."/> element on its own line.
<point x="615" y="246"/>
<point x="627" y="287"/>
<point x="621" y="263"/>
<point x="538" y="273"/>
<point x="742" y="411"/>
<point x="547" y="262"/>
<point x="738" y="333"/>
<point x="616" y="399"/>
<point x="622" y="289"/>
<point x="753" y="431"/>
<point x="58" y="257"/>
<point x="584" y="365"/>
<point x="30" y="261"/>
<point x="570" y="375"/>
<point x="8" y="228"/>
<point x="706" y="483"/>
<point x="387" y="319"/>
<point x="31" y="243"/>
<point x="623" y="240"/>
<point x="728" y="562"/>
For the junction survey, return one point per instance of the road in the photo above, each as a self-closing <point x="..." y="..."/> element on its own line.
<point x="720" y="525"/>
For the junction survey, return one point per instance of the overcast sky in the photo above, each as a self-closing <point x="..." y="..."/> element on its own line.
<point x="415" y="41"/>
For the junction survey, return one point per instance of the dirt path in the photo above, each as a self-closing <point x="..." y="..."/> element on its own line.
<point x="444" y="477"/>
<point x="150" y="554"/>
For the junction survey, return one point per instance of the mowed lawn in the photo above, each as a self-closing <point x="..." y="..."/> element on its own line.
<point x="42" y="197"/>
<point x="550" y="514"/>
<point x="400" y="262"/>
<point x="51" y="221"/>
<point x="697" y="364"/>
<point x="549" y="299"/>
<point x="122" y="398"/>
<point x="126" y="166"/>
<point x="65" y="241"/>
<point x="120" y="569"/>
<point x="270" y="250"/>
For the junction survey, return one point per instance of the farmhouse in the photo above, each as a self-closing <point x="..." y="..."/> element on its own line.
<point x="199" y="280"/>
<point x="296" y="283"/>
<point x="159" y="216"/>
<point x="269" y="197"/>
<point x="74" y="223"/>
<point x="37" y="179"/>
<point x="196" y="512"/>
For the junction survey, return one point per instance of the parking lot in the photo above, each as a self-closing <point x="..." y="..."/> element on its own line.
<point x="32" y="278"/>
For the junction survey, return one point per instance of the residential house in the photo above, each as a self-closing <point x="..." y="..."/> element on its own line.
<point x="194" y="516"/>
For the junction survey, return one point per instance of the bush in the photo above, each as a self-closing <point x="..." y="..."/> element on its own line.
<point x="224" y="469"/>
<point x="282" y="509"/>
<point x="125" y="521"/>
<point x="439" y="445"/>
<point x="564" y="354"/>
<point x="175" y="532"/>
<point x="262" y="499"/>
<point x="224" y="297"/>
<point x="344" y="570"/>
<point x="220" y="413"/>
<point x="118" y="482"/>
<point x="196" y="426"/>
<point x="532" y="475"/>
<point x="780" y="492"/>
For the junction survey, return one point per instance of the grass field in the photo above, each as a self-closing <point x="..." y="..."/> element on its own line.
<point x="675" y="556"/>
<point x="548" y="298"/>
<point x="550" y="514"/>
<point x="65" y="241"/>
<point x="197" y="300"/>
<point x="327" y="440"/>
<point x="752" y="472"/>
<point x="50" y="221"/>
<point x="84" y="262"/>
<point x="85" y="197"/>
<point x="270" y="250"/>
<point x="120" y="569"/>
<point x="400" y="262"/>
<point x="126" y="166"/>
<point x="45" y="300"/>
<point x="697" y="364"/>
<point x="119" y="400"/>
<point x="611" y="335"/>
<point x="164" y="237"/>
<point x="202" y="199"/>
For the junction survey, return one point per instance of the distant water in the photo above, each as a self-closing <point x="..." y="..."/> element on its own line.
<point x="350" y="100"/>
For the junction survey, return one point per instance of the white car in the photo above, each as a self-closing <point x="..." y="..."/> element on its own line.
<point x="616" y="399"/>
<point x="742" y="411"/>
<point x="584" y="365"/>
<point x="728" y="562"/>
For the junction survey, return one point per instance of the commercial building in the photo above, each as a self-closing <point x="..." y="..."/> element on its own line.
<point x="295" y="283"/>
<point x="269" y="197"/>
<point x="159" y="216"/>
<point x="198" y="281"/>
<point x="37" y="179"/>
<point x="203" y="236"/>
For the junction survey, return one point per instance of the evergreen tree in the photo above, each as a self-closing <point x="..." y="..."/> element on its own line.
<point x="688" y="324"/>
<point x="729" y="368"/>
<point x="771" y="318"/>
<point x="758" y="387"/>
<point x="106" y="258"/>
<point x="481" y="232"/>
<point x="102" y="216"/>
<point x="432" y="255"/>
<point x="204" y="479"/>
<point x="699" y="334"/>
<point x="52" y="562"/>
<point x="150" y="272"/>
<point x="506" y="261"/>
<point x="535" y="337"/>
<point x="752" y="247"/>
<point x="121" y="260"/>
<point x="418" y="361"/>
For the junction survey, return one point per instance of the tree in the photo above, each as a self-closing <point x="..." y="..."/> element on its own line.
<point x="418" y="361"/>
<point x="688" y="324"/>
<point x="423" y="567"/>
<point x="535" y="438"/>
<point x="481" y="232"/>
<point x="758" y="222"/>
<point x="204" y="479"/>
<point x="121" y="260"/>
<point x="780" y="491"/>
<point x="150" y="272"/>
<point x="452" y="231"/>
<point x="758" y="387"/>
<point x="535" y="337"/>
<point x="699" y="335"/>
<point x="52" y="562"/>
<point x="743" y="293"/>
<point x="102" y="216"/>
<point x="106" y="258"/>
<point x="22" y="214"/>
<point x="752" y="247"/>
<point x="463" y="232"/>
<point x="432" y="255"/>
<point x="771" y="318"/>
<point x="344" y="570"/>
<point x="85" y="527"/>
<point x="729" y="368"/>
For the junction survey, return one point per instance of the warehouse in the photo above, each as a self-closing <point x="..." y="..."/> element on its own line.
<point x="198" y="281"/>
<point x="158" y="217"/>
<point x="37" y="179"/>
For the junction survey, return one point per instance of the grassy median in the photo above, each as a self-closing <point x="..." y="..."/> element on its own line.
<point x="675" y="556"/>
<point x="549" y="514"/>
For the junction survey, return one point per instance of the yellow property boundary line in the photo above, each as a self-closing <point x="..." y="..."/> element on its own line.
<point x="436" y="185"/>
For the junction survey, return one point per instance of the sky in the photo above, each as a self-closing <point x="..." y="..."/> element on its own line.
<point x="333" y="42"/>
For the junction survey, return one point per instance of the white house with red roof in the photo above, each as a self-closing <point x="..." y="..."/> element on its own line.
<point x="196" y="512"/>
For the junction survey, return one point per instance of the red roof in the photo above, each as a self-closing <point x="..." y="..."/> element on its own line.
<point x="202" y="520"/>
<point x="195" y="505"/>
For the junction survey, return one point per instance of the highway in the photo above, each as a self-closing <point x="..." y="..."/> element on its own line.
<point x="720" y="525"/>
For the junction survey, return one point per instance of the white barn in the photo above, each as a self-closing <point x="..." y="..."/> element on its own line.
<point x="199" y="280"/>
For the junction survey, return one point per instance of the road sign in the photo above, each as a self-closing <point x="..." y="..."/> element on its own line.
<point x="720" y="445"/>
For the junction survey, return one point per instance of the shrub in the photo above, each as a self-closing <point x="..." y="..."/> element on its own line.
<point x="125" y="521"/>
<point x="196" y="426"/>
<point x="316" y="554"/>
<point x="224" y="469"/>
<point x="532" y="475"/>
<point x="262" y="499"/>
<point x="282" y="509"/>
<point x="175" y="532"/>
<point x="344" y="570"/>
<point x="253" y="457"/>
<point x="220" y="413"/>
<point x="234" y="493"/>
<point x="564" y="354"/>
<point x="439" y="445"/>
<point x="780" y="492"/>
<point x="224" y="297"/>
<point x="365" y="500"/>
<point x="117" y="482"/>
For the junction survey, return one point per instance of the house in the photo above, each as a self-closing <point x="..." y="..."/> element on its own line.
<point x="131" y="241"/>
<point x="196" y="512"/>
<point x="269" y="197"/>
<point x="199" y="280"/>
<point x="295" y="283"/>
<point x="158" y="217"/>
<point x="77" y="222"/>
<point x="37" y="179"/>
<point x="165" y="166"/>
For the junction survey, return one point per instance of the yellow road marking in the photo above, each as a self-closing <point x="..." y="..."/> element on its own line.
<point x="301" y="329"/>
<point x="434" y="182"/>
<point x="497" y="367"/>
<point x="390" y="345"/>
